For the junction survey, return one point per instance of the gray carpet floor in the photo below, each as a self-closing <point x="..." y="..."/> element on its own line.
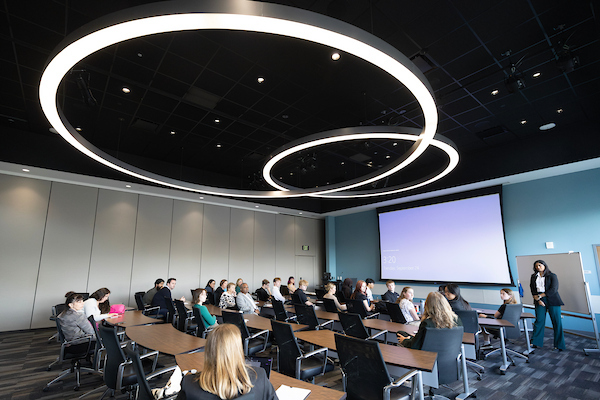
<point x="25" y="356"/>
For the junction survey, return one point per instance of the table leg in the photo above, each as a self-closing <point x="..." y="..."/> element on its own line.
<point x="463" y="362"/>
<point x="419" y="379"/>
<point x="529" y="349"/>
<point x="505" y="364"/>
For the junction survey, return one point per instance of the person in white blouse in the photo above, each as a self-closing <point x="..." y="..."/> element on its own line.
<point x="276" y="290"/>
<point x="98" y="305"/>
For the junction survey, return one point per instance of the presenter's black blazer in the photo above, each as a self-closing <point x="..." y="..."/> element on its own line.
<point x="551" y="282"/>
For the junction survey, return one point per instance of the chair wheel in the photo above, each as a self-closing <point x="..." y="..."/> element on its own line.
<point x="45" y="389"/>
<point x="76" y="388"/>
<point x="527" y="361"/>
<point x="48" y="369"/>
<point x="478" y="378"/>
<point x="502" y="372"/>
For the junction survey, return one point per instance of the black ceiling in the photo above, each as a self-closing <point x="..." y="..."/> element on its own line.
<point x="183" y="82"/>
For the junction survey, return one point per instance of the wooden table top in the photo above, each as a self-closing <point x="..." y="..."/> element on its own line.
<point x="164" y="338"/>
<point x="489" y="311"/>
<point x="395" y="355"/>
<point x="133" y="318"/>
<point x="196" y="361"/>
<point x="493" y="322"/>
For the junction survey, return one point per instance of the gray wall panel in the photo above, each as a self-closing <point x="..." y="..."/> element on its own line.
<point x="285" y="247"/>
<point x="112" y="247"/>
<point x="306" y="232"/>
<point x="152" y="242"/>
<point x="265" y="242"/>
<point x="215" y="244"/>
<point x="67" y="247"/>
<point x="241" y="247"/>
<point x="23" y="207"/>
<point x="186" y="247"/>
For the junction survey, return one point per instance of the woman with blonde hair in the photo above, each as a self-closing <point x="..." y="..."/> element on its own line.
<point x="225" y="374"/>
<point x="407" y="307"/>
<point x="508" y="297"/>
<point x="437" y="313"/>
<point x="330" y="289"/>
<point x="238" y="285"/>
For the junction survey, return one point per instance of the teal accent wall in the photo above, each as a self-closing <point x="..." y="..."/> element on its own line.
<point x="564" y="209"/>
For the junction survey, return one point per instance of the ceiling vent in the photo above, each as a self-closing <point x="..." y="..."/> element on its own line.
<point x="201" y="98"/>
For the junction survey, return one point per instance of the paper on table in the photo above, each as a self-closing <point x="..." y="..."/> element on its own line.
<point x="292" y="393"/>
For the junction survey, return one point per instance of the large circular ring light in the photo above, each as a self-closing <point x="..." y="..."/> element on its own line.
<point x="239" y="15"/>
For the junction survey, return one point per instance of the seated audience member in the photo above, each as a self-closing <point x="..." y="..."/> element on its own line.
<point x="330" y="289"/>
<point x="360" y="293"/>
<point x="199" y="299"/>
<point x="508" y="297"/>
<point x="238" y="285"/>
<point x="436" y="314"/>
<point x="264" y="293"/>
<point x="370" y="285"/>
<point x="98" y="305"/>
<point x="245" y="302"/>
<point x="225" y="374"/>
<point x="299" y="297"/>
<point x="73" y="321"/>
<point x="391" y="295"/>
<point x="452" y="293"/>
<point x="407" y="307"/>
<point x="210" y="286"/>
<point x="158" y="284"/>
<point x="228" y="298"/>
<point x="165" y="292"/>
<point x="347" y="288"/>
<point x="276" y="292"/>
<point x="220" y="290"/>
<point x="291" y="285"/>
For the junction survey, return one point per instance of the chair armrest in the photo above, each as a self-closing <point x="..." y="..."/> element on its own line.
<point x="160" y="372"/>
<point x="324" y="324"/>
<point x="292" y="318"/>
<point x="383" y="332"/>
<point x="151" y="310"/>
<point x="149" y="354"/>
<point x="398" y="382"/>
<point x="374" y="315"/>
<point x="254" y="336"/>
<point x="311" y="354"/>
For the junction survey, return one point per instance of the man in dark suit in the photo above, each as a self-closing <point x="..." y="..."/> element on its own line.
<point x="263" y="293"/>
<point x="160" y="298"/>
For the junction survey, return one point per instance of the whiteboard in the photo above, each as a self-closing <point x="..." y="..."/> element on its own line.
<point x="569" y="270"/>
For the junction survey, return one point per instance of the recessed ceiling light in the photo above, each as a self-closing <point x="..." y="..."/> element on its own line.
<point x="126" y="89"/>
<point x="217" y="121"/>
<point x="201" y="197"/>
<point x="547" y="126"/>
<point x="78" y="129"/>
<point x="394" y="144"/>
<point x="495" y="92"/>
<point x="342" y="163"/>
<point x="219" y="145"/>
<point x="173" y="132"/>
<point x="127" y="186"/>
<point x="559" y="111"/>
<point x="291" y="173"/>
<point x="388" y="156"/>
<point x="140" y="55"/>
<point x="256" y="206"/>
<point x="523" y="121"/>
<point x="300" y="213"/>
<point x="285" y="116"/>
<point x="25" y="170"/>
<point x="335" y="56"/>
<point x="537" y="74"/>
<point x="260" y="79"/>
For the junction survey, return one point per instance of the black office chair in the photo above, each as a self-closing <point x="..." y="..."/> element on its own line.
<point x="201" y="329"/>
<point x="284" y="290"/>
<point x="143" y="389"/>
<point x="118" y="371"/>
<point x="254" y="343"/>
<point x="185" y="318"/>
<point x="146" y="310"/>
<point x="210" y="298"/>
<point x="306" y="315"/>
<point x="447" y="343"/>
<point x="364" y="373"/>
<point x="55" y="312"/>
<point x="171" y="311"/>
<point x="281" y="313"/>
<point x="512" y="314"/>
<point x="290" y="359"/>
<point x="330" y="305"/>
<point x="73" y="351"/>
<point x="470" y="325"/>
<point x="395" y="313"/>
<point x="320" y="293"/>
<point x="353" y="326"/>
<point x="358" y="307"/>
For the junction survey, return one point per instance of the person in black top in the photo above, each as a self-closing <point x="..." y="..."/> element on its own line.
<point x="544" y="288"/>
<point x="508" y="297"/>
<point x="360" y="293"/>
<point x="263" y="293"/>
<point x="299" y="297"/>
<point x="390" y="296"/>
<point x="219" y="291"/>
<point x="210" y="291"/>
<point x="452" y="293"/>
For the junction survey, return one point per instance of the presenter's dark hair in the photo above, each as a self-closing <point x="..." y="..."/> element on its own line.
<point x="546" y="269"/>
<point x="455" y="290"/>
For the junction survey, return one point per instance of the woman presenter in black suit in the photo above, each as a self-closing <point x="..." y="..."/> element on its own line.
<point x="544" y="288"/>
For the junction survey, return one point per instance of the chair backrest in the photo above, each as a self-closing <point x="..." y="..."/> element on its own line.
<point x="57" y="309"/>
<point x="306" y="315"/>
<point x="288" y="347"/>
<point x="279" y="310"/>
<point x="139" y="300"/>
<point x="395" y="313"/>
<point x="84" y="295"/>
<point x="114" y="354"/>
<point x="320" y="293"/>
<point x="99" y="344"/>
<point x="447" y="343"/>
<point x="182" y="314"/>
<point x="330" y="305"/>
<point x="144" y="391"/>
<point x="199" y="321"/>
<point x="357" y="307"/>
<point x="469" y="320"/>
<point x="284" y="290"/>
<point x="237" y="319"/>
<point x="512" y="314"/>
<point x="365" y="371"/>
<point x="170" y="308"/>
<point x="353" y="326"/>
